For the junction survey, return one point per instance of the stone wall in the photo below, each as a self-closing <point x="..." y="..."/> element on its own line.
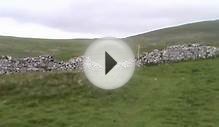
<point x="177" y="53"/>
<point x="45" y="63"/>
<point x="38" y="64"/>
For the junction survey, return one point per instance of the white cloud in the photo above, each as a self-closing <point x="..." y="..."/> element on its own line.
<point x="98" y="18"/>
<point x="11" y="27"/>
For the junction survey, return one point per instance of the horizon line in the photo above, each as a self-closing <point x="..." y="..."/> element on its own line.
<point x="90" y="38"/>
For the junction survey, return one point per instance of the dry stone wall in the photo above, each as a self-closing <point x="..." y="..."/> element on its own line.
<point x="45" y="63"/>
<point x="38" y="64"/>
<point x="177" y="53"/>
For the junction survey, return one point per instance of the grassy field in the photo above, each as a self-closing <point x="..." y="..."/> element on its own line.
<point x="60" y="48"/>
<point x="177" y="95"/>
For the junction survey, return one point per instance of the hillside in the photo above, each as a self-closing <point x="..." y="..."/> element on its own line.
<point x="60" y="48"/>
<point x="207" y="32"/>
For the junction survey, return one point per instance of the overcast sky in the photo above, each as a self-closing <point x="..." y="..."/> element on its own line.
<point x="99" y="18"/>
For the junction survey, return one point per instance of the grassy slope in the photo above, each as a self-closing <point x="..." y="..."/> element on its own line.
<point x="64" y="49"/>
<point x="61" y="48"/>
<point x="179" y="95"/>
<point x="206" y="32"/>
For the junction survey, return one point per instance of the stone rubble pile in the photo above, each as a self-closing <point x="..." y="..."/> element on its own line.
<point x="92" y="65"/>
<point x="177" y="53"/>
<point x="45" y="63"/>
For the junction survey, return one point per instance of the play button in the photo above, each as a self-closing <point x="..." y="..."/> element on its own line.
<point x="108" y="63"/>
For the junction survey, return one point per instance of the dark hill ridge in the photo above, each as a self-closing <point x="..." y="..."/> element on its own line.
<point x="202" y="32"/>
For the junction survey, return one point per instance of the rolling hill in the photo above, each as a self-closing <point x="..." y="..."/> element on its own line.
<point x="206" y="32"/>
<point x="60" y="48"/>
<point x="203" y="32"/>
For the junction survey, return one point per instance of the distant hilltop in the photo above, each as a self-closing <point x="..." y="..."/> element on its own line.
<point x="47" y="63"/>
<point x="205" y="32"/>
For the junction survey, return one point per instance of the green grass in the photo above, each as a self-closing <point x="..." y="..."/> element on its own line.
<point x="60" y="48"/>
<point x="170" y="95"/>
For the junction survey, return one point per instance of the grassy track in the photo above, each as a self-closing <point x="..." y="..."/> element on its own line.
<point x="177" y="95"/>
